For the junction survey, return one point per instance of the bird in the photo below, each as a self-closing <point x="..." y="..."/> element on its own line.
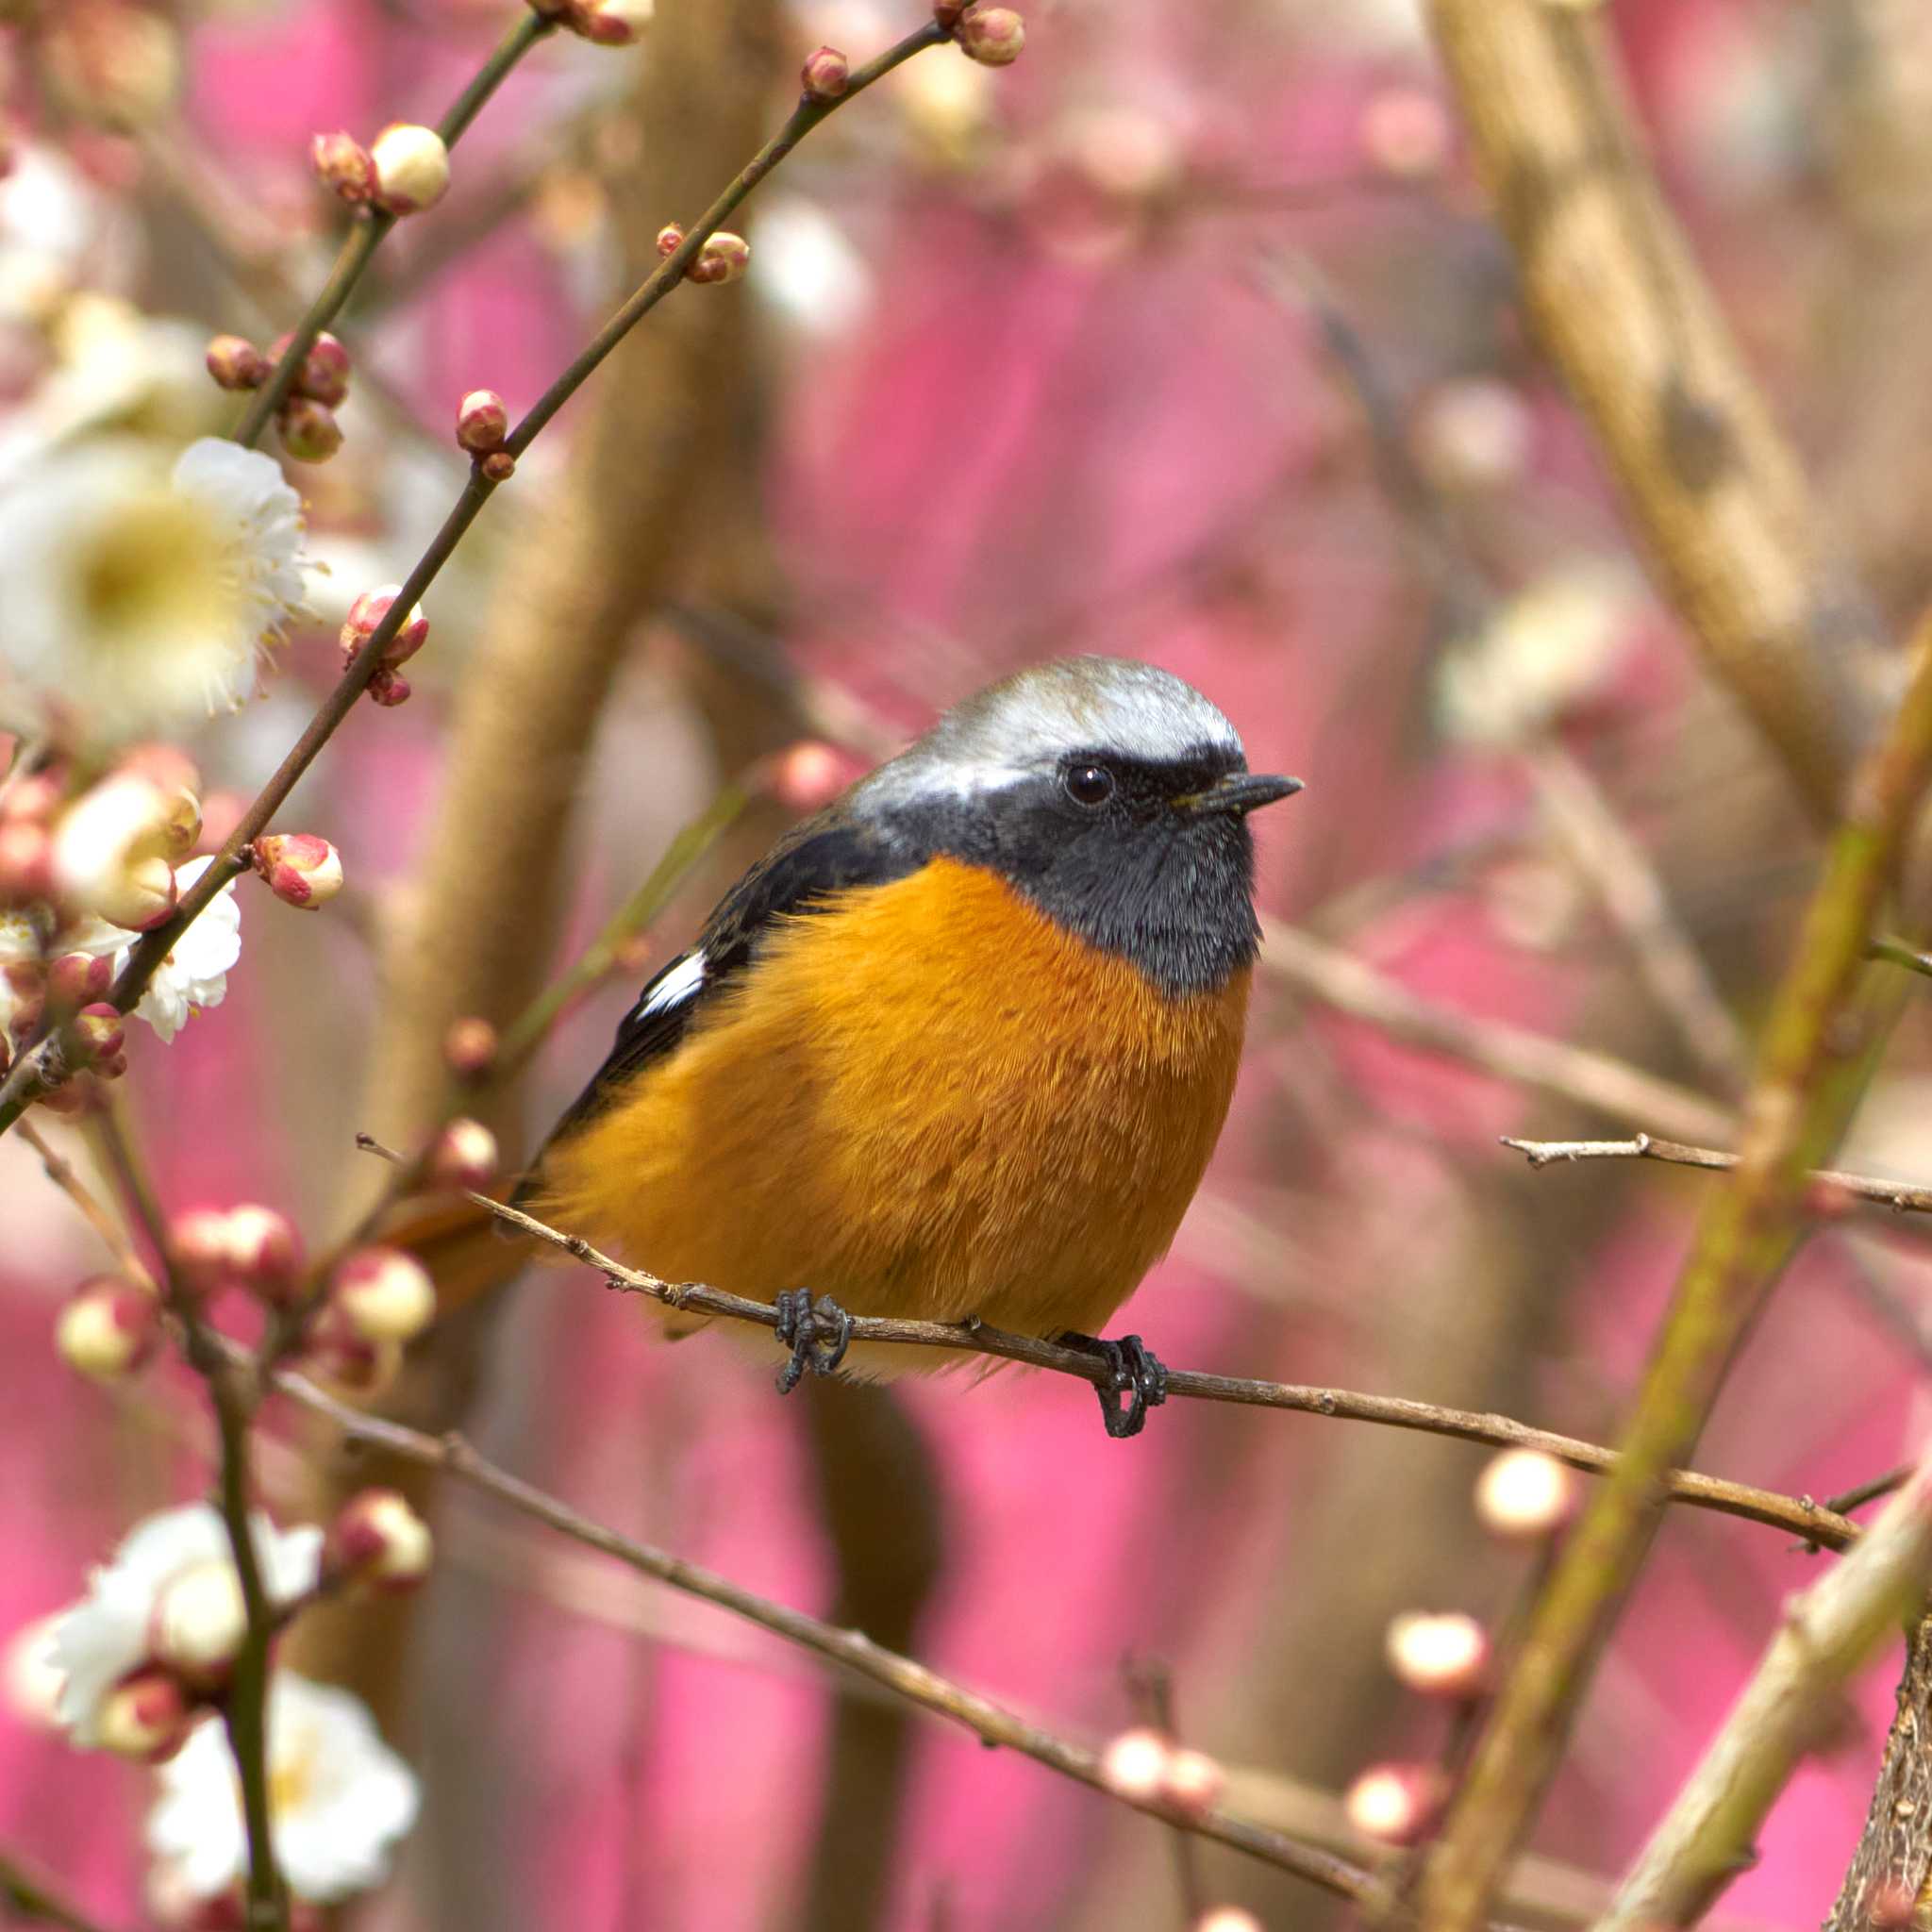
<point x="959" y="1046"/>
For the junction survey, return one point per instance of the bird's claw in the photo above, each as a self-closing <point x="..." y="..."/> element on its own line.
<point x="1134" y="1371"/>
<point x="817" y="1330"/>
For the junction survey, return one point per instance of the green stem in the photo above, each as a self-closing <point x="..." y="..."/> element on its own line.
<point x="362" y="241"/>
<point x="1818" y="1052"/>
<point x="1901" y="954"/>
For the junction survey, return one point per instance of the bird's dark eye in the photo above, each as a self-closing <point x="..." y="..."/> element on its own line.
<point x="1089" y="785"/>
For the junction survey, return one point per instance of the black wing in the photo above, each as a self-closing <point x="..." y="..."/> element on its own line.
<point x="802" y="872"/>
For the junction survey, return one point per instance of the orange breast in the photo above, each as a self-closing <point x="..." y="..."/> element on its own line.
<point x="927" y="1100"/>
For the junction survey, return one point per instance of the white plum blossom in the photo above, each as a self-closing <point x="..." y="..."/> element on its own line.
<point x="340" y="1799"/>
<point x="195" y="973"/>
<point x="139" y="598"/>
<point x="108" y="1633"/>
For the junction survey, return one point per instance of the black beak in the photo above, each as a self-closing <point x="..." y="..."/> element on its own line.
<point x="1240" y="792"/>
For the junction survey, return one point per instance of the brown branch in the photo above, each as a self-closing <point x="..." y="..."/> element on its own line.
<point x="1793" y="1513"/>
<point x="1818" y="1048"/>
<point x="852" y="1648"/>
<point x="1897" y="1195"/>
<point x="1825" y="1634"/>
<point x="113" y="1235"/>
<point x="1615" y="296"/>
<point x="1574" y="1074"/>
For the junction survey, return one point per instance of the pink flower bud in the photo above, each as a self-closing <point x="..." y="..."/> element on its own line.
<point x="464" y="1156"/>
<point x="469" y="1048"/>
<point x="365" y="618"/>
<point x="99" y="1037"/>
<point x="199" y="1621"/>
<point x="382" y="1294"/>
<point x="669" y="239"/>
<point x="499" y="466"/>
<point x="1226" y="1919"/>
<point x="1438" y="1656"/>
<point x="1135" y="1764"/>
<point x="808" y="775"/>
<point x="411" y="168"/>
<point x="1523" y="1495"/>
<point x="145" y="1717"/>
<point x="388" y="688"/>
<point x="264" y="1257"/>
<point x="993" y="35"/>
<point x="342" y="165"/>
<point x="26" y="861"/>
<point x="724" y="257"/>
<point x="301" y="868"/>
<point x="346" y="1362"/>
<point x="324" y="376"/>
<point x="110" y="1329"/>
<point x="35" y="797"/>
<point x="1891" y="1905"/>
<point x="1195" y="1782"/>
<point x="482" y="421"/>
<point x="611" y="22"/>
<point x="378" y="1537"/>
<point x="79" y="979"/>
<point x="309" y="430"/>
<point x="825" y="75"/>
<point x="1396" y="1804"/>
<point x="199" y="1250"/>
<point x="237" y="363"/>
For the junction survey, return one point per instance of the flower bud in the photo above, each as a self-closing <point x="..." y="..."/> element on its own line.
<point x="200" y="1251"/>
<point x="808" y="775"/>
<point x="464" y="1156"/>
<point x="411" y="168"/>
<point x="382" y="1294"/>
<point x="482" y="421"/>
<point x="99" y="1038"/>
<point x="825" y="75"/>
<point x="469" y="1048"/>
<point x="324" y="376"/>
<point x="342" y="165"/>
<point x="109" y="852"/>
<point x="79" y="979"/>
<point x="109" y="1329"/>
<point x="1194" y="1781"/>
<point x="1445" y="1656"/>
<point x="263" y="1254"/>
<point x="145" y="1717"/>
<point x="348" y="1364"/>
<point x="26" y="861"/>
<point x="1405" y="132"/>
<point x="365" y="618"/>
<point x="611" y="22"/>
<point x="1135" y="1763"/>
<point x="993" y="35"/>
<point x="378" y="1537"/>
<point x="199" y="1621"/>
<point x="1523" y="1495"/>
<point x="237" y="363"/>
<point x="301" y="868"/>
<point x="724" y="257"/>
<point x="1396" y="1804"/>
<point x="669" y="239"/>
<point x="1226" y="1919"/>
<point x="388" y="688"/>
<point x="309" y="430"/>
<point x="947" y="12"/>
<point x="499" y="466"/>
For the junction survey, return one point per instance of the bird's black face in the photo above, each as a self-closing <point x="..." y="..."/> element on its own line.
<point x="1149" y="860"/>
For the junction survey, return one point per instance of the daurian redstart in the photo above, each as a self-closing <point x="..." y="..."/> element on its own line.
<point x="959" y="1045"/>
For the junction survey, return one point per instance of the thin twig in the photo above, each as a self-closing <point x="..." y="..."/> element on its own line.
<point x="991" y="1723"/>
<point x="1574" y="1074"/>
<point x="113" y="1235"/>
<point x="362" y="241"/>
<point x="1825" y="1634"/>
<point x="1897" y="1195"/>
<point x="43" y="1068"/>
<point x="1901" y="952"/>
<point x="1820" y="1045"/>
<point x="1792" y="1513"/>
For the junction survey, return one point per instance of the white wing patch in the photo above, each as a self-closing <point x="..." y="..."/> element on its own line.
<point x="679" y="981"/>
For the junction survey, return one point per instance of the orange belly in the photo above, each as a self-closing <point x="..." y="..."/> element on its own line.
<point x="928" y="1101"/>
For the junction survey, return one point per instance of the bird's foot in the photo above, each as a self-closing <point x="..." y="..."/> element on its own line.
<point x="1136" y="1372"/>
<point x="817" y="1330"/>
